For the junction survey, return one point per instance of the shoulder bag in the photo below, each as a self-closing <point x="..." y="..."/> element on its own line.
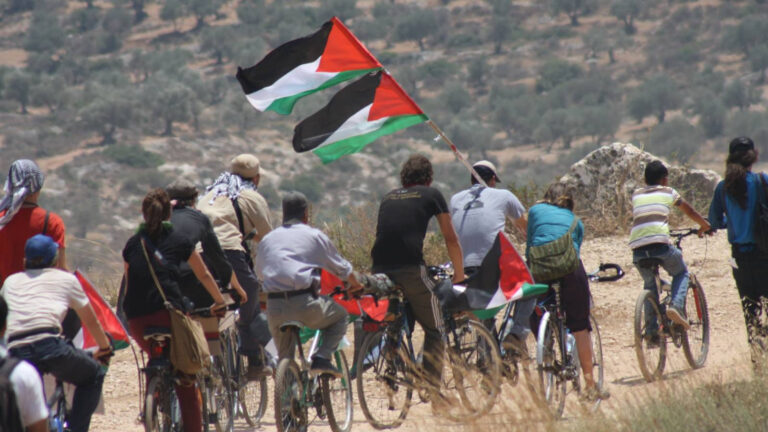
<point x="189" y="348"/>
<point x="760" y="224"/>
<point x="555" y="259"/>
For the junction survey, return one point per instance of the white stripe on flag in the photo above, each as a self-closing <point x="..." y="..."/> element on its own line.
<point x="302" y="78"/>
<point x="498" y="299"/>
<point x="356" y="125"/>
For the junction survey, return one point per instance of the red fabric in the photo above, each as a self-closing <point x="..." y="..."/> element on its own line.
<point x="189" y="401"/>
<point x="344" y="52"/>
<point x="328" y="282"/>
<point x="514" y="272"/>
<point x="109" y="321"/>
<point x="391" y="100"/>
<point x="25" y="224"/>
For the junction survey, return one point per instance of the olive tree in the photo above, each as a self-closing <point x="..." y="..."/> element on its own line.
<point x="573" y="8"/>
<point x="655" y="96"/>
<point x="676" y="139"/>
<point x="17" y="87"/>
<point x="108" y="112"/>
<point x="626" y="11"/>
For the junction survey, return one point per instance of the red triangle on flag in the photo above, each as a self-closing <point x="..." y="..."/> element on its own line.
<point x="375" y="310"/>
<point x="514" y="272"/>
<point x="391" y="100"/>
<point x="107" y="318"/>
<point x="344" y="52"/>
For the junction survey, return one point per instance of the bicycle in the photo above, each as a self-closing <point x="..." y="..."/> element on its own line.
<point x="58" y="409"/>
<point x="651" y="346"/>
<point x="296" y="389"/>
<point x="557" y="357"/>
<point x="389" y="370"/>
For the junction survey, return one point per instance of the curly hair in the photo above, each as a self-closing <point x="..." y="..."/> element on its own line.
<point x="417" y="170"/>
<point x="155" y="208"/>
<point x="558" y="194"/>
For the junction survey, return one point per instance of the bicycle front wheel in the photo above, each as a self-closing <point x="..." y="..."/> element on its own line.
<point x="252" y="395"/>
<point x="290" y="411"/>
<point x="598" y="371"/>
<point x="696" y="339"/>
<point x="650" y="339"/>
<point x="384" y="384"/>
<point x="162" y="412"/>
<point x="551" y="362"/>
<point x="476" y="370"/>
<point x="337" y="395"/>
<point x="220" y="399"/>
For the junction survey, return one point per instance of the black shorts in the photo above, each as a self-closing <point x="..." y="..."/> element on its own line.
<point x="575" y="300"/>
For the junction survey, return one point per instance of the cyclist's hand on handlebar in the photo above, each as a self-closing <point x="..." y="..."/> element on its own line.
<point x="241" y="293"/>
<point x="104" y="355"/>
<point x="219" y="310"/>
<point x="705" y="229"/>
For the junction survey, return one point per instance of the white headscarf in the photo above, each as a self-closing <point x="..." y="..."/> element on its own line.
<point x="230" y="185"/>
<point x="24" y="179"/>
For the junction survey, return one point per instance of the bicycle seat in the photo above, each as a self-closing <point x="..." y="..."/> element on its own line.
<point x="649" y="262"/>
<point x="290" y="325"/>
<point x="156" y="333"/>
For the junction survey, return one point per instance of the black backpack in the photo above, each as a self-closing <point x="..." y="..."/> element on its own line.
<point x="10" y="417"/>
<point x="760" y="227"/>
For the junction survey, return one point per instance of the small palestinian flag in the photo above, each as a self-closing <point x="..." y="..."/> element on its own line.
<point x="503" y="277"/>
<point x="357" y="115"/>
<point x="106" y="317"/>
<point x="304" y="66"/>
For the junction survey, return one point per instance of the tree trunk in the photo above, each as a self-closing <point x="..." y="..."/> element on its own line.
<point x="24" y="108"/>
<point x="660" y="116"/>
<point x="108" y="136"/>
<point x="611" y="58"/>
<point x="497" y="48"/>
<point x="219" y="58"/>
<point x="200" y="23"/>
<point x="421" y="45"/>
<point x="168" y="128"/>
<point x="574" y="19"/>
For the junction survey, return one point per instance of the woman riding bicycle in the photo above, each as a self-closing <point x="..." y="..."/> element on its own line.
<point x="549" y="220"/>
<point x="143" y="303"/>
<point x="733" y="207"/>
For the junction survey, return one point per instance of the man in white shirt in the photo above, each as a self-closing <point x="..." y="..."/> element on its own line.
<point x="27" y="385"/>
<point x="479" y="214"/>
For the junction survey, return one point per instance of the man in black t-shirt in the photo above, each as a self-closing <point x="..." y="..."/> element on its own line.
<point x="404" y="215"/>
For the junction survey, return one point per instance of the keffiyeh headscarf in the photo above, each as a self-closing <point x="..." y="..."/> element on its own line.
<point x="230" y="185"/>
<point x="24" y="179"/>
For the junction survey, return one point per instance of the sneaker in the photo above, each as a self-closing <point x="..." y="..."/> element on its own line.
<point x="321" y="366"/>
<point x="678" y="316"/>
<point x="593" y="394"/>
<point x="513" y="342"/>
<point x="257" y="369"/>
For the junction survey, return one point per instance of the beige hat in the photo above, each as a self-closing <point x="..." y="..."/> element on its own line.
<point x="245" y="165"/>
<point x="486" y="166"/>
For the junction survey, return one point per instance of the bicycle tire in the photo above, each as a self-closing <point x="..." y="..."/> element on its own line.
<point x="337" y="396"/>
<point x="696" y="338"/>
<point x="476" y="366"/>
<point x="384" y="383"/>
<point x="551" y="361"/>
<point x="252" y="395"/>
<point x="598" y="369"/>
<point x="222" y="395"/>
<point x="290" y="411"/>
<point x="162" y="412"/>
<point x="650" y="356"/>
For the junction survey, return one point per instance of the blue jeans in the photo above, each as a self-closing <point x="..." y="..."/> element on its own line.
<point x="672" y="261"/>
<point x="59" y="358"/>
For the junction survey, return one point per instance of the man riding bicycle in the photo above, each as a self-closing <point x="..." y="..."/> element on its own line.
<point x="649" y="238"/>
<point x="38" y="299"/>
<point x="289" y="260"/>
<point x="404" y="214"/>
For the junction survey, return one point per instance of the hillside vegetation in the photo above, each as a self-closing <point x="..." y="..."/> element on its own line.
<point x="113" y="98"/>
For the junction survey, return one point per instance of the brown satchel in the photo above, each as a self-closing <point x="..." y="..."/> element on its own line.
<point x="189" y="348"/>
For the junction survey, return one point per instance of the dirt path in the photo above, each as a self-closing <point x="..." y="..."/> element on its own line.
<point x="728" y="354"/>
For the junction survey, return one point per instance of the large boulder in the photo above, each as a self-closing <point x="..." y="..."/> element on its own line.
<point x="602" y="184"/>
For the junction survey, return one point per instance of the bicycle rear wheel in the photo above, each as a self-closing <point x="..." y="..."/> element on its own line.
<point x="337" y="395"/>
<point x="252" y="395"/>
<point x="696" y="339"/>
<point x="384" y="388"/>
<point x="290" y="412"/>
<point x="551" y="362"/>
<point x="162" y="412"/>
<point x="476" y="370"/>
<point x="221" y="397"/>
<point x="650" y="342"/>
<point x="57" y="407"/>
<point x="598" y="371"/>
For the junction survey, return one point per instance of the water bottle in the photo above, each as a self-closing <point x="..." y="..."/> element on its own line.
<point x="55" y="424"/>
<point x="570" y="341"/>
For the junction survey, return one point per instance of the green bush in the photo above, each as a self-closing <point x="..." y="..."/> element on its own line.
<point x="133" y="155"/>
<point x="676" y="139"/>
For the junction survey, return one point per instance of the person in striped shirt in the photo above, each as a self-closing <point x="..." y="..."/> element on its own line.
<point x="649" y="237"/>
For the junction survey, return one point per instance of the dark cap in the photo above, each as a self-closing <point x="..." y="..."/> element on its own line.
<point x="740" y="144"/>
<point x="181" y="189"/>
<point x="40" y="251"/>
<point x="294" y="206"/>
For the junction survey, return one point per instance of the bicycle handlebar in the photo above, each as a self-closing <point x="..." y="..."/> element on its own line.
<point x="594" y="276"/>
<point x="207" y="312"/>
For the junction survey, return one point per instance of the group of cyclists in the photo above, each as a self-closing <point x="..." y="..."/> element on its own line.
<point x="193" y="245"/>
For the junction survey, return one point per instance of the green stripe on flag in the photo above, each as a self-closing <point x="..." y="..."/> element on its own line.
<point x="333" y="151"/>
<point x="285" y="105"/>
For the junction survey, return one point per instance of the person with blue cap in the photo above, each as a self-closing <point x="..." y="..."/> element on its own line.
<point x="38" y="299"/>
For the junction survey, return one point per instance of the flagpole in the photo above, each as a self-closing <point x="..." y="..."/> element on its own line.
<point x="459" y="156"/>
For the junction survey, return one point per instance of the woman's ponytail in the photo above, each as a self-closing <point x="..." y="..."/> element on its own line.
<point x="736" y="167"/>
<point x="155" y="208"/>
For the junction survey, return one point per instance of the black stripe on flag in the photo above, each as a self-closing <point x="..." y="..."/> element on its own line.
<point x="284" y="59"/>
<point x="316" y="128"/>
<point x="481" y="286"/>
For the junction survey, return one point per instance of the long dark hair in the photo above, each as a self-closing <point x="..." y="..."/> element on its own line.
<point x="736" y="167"/>
<point x="155" y="208"/>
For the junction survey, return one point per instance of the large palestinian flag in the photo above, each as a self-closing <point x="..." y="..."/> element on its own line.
<point x="503" y="277"/>
<point x="303" y="66"/>
<point x="358" y="114"/>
